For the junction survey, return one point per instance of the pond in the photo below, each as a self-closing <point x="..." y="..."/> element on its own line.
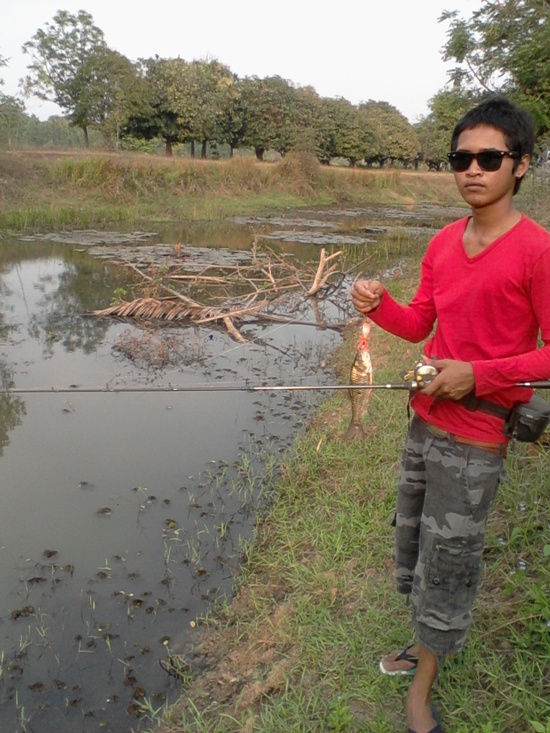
<point x="127" y="514"/>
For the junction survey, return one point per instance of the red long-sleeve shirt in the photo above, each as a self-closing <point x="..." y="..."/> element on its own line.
<point x="488" y="310"/>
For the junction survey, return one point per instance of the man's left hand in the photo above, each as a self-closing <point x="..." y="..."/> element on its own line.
<point x="454" y="381"/>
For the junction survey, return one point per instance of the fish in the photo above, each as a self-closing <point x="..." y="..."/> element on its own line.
<point x="361" y="373"/>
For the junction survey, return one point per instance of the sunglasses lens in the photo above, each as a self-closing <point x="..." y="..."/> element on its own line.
<point x="460" y="161"/>
<point x="489" y="160"/>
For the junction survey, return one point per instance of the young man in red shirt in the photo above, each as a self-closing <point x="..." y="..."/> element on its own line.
<point x="485" y="284"/>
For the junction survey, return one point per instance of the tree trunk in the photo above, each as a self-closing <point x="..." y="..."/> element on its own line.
<point x="192" y="148"/>
<point x="231" y="150"/>
<point x="86" y="138"/>
<point x="169" y="152"/>
<point x="203" y="149"/>
<point x="259" y="153"/>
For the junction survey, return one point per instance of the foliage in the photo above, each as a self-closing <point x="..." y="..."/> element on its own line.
<point x="504" y="46"/>
<point x="270" y="114"/>
<point x="435" y="130"/>
<point x="346" y="136"/>
<point x="392" y="137"/>
<point x="212" y="103"/>
<point x="11" y="112"/>
<point x="113" y="91"/>
<point x="61" y="56"/>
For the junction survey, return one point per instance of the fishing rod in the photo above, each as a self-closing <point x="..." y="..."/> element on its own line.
<point x="410" y="386"/>
<point x="200" y="388"/>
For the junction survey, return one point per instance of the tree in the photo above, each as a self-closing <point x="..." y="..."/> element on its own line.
<point x="11" y="114"/>
<point x="392" y="139"/>
<point x="270" y="114"/>
<point x="61" y="56"/>
<point x="232" y="119"/>
<point x="504" y="47"/>
<point x="165" y="98"/>
<point x="12" y="120"/>
<point x="434" y="131"/>
<point x="211" y="94"/>
<point x="112" y="93"/>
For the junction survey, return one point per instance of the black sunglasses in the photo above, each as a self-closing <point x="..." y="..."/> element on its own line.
<point x="488" y="160"/>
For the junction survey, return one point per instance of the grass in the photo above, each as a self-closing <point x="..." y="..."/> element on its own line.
<point x="67" y="190"/>
<point x="297" y="650"/>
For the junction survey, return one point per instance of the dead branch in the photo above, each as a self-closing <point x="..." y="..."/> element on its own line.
<point x="237" y="335"/>
<point x="175" y="293"/>
<point x="199" y="278"/>
<point x="238" y="313"/>
<point x="323" y="273"/>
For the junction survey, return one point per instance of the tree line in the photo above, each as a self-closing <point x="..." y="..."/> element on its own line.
<point x="503" y="48"/>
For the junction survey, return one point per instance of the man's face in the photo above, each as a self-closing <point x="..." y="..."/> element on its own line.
<point x="479" y="187"/>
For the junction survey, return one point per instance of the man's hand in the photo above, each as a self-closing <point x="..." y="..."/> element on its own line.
<point x="366" y="295"/>
<point x="454" y="381"/>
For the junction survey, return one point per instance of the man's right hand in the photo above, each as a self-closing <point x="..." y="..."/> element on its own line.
<point x="366" y="295"/>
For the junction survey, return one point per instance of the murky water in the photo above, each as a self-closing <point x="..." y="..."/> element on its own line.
<point x="125" y="515"/>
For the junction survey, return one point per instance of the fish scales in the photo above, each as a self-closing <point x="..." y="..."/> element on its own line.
<point x="360" y="374"/>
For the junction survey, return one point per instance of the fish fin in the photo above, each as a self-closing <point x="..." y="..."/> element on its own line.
<point x="355" y="432"/>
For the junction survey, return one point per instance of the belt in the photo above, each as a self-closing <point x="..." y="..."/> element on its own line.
<point x="440" y="433"/>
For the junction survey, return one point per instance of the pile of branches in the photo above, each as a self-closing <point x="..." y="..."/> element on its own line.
<point x="266" y="283"/>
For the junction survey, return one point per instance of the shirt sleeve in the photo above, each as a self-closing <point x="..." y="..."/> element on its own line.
<point x="413" y="322"/>
<point x="495" y="374"/>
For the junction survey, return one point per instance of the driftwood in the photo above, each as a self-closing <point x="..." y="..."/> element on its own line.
<point x="270" y="282"/>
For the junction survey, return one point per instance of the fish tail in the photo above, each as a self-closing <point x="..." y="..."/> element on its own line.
<point x="355" y="432"/>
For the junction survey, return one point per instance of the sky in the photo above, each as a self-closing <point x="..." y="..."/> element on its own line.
<point x="385" y="50"/>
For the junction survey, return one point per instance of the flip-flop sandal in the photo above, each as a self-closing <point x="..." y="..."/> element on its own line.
<point x="391" y="659"/>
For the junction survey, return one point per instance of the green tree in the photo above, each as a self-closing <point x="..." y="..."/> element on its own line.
<point x="60" y="63"/>
<point x="231" y="122"/>
<point x="434" y="131"/>
<point x="307" y="113"/>
<point x="269" y="114"/>
<point x="211" y="97"/>
<point x="392" y="137"/>
<point x="338" y="130"/>
<point x="504" y="47"/>
<point x="112" y="93"/>
<point x="12" y="120"/>
<point x="165" y="98"/>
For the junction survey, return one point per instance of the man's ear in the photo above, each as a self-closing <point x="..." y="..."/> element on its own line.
<point x="523" y="166"/>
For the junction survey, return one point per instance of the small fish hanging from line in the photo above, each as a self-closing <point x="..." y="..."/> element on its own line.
<point x="361" y="373"/>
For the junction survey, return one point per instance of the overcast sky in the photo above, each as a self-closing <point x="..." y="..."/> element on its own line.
<point x="386" y="50"/>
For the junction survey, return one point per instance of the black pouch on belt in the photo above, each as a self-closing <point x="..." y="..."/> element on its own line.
<point x="526" y="421"/>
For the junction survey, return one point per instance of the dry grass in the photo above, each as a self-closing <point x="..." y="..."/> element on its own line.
<point x="40" y="189"/>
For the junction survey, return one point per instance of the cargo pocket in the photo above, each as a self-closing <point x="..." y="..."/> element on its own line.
<point x="450" y="587"/>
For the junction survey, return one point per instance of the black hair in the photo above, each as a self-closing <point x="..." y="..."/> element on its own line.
<point x="513" y="121"/>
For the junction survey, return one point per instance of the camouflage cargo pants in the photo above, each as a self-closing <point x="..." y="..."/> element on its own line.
<point x="445" y="492"/>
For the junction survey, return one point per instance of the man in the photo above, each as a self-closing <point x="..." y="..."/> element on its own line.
<point x="485" y="284"/>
